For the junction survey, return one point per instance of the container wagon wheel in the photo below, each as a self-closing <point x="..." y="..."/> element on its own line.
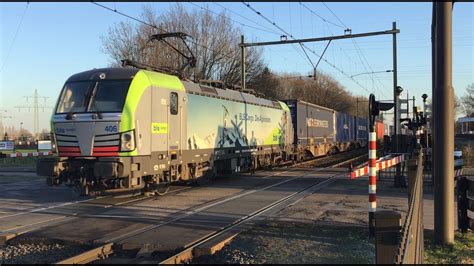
<point x="84" y="190"/>
<point x="200" y="181"/>
<point x="163" y="188"/>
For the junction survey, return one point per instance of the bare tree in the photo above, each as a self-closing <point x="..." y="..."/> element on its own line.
<point x="324" y="91"/>
<point x="214" y="43"/>
<point x="467" y="101"/>
<point x="266" y="83"/>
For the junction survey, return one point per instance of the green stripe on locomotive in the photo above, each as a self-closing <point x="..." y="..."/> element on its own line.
<point x="142" y="81"/>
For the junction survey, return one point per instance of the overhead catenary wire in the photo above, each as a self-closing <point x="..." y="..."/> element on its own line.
<point x="359" y="53"/>
<point x="305" y="54"/>
<point x="303" y="45"/>
<point x="238" y="22"/>
<point x="14" y="37"/>
<point x="246" y="18"/>
<point x="370" y="67"/>
<point x="326" y="22"/>
<point x="335" y="15"/>
<point x="280" y="28"/>
<point x="157" y="28"/>
<point x="322" y="18"/>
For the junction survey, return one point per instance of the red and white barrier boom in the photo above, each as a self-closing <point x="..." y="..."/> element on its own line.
<point x="26" y="154"/>
<point x="382" y="163"/>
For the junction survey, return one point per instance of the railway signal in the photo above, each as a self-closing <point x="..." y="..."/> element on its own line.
<point x="374" y="110"/>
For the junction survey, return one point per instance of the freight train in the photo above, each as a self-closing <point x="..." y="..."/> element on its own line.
<point x="121" y="129"/>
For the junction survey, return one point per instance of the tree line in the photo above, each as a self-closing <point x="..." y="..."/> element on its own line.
<point x="215" y="42"/>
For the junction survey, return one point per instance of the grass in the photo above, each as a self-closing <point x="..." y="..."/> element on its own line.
<point x="20" y="150"/>
<point x="461" y="252"/>
<point x="19" y="161"/>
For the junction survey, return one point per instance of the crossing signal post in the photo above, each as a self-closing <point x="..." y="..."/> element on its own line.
<point x="374" y="110"/>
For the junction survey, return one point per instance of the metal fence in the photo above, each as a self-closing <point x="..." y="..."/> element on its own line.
<point x="411" y="246"/>
<point x="403" y="243"/>
<point x="465" y="196"/>
<point x="389" y="173"/>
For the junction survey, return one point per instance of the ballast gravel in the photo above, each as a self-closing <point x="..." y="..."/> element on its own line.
<point x="38" y="251"/>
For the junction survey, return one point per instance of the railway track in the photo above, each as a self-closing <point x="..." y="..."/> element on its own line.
<point x="101" y="248"/>
<point x="194" y="248"/>
<point x="316" y="162"/>
<point x="198" y="246"/>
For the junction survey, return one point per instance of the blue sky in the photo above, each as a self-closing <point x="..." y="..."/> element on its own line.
<point x="56" y="40"/>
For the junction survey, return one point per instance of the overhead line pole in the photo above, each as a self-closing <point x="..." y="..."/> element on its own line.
<point x="396" y="118"/>
<point x="393" y="31"/>
<point x="338" y="37"/>
<point x="443" y="98"/>
<point x="242" y="68"/>
<point x="243" y="45"/>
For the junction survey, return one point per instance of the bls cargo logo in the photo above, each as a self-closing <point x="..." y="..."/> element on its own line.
<point x="60" y="130"/>
<point x="362" y="128"/>
<point x="159" y="128"/>
<point x="312" y="122"/>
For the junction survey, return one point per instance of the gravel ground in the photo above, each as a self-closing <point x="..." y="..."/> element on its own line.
<point x="297" y="242"/>
<point x="38" y="251"/>
<point x="327" y="227"/>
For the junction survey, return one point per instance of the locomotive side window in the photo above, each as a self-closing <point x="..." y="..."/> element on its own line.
<point x="174" y="103"/>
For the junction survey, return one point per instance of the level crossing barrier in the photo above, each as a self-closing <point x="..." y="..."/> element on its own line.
<point x="382" y="163"/>
<point x="26" y="154"/>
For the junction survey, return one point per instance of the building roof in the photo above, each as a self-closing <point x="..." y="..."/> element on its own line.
<point x="465" y="119"/>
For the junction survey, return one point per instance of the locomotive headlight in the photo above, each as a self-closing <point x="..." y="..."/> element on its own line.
<point x="127" y="141"/>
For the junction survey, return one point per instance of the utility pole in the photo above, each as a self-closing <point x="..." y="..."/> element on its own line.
<point x="443" y="114"/>
<point x="35" y="107"/>
<point x="357" y="101"/>
<point x="433" y="85"/>
<point x="2" y="116"/>
<point x="242" y="68"/>
<point x="396" y="100"/>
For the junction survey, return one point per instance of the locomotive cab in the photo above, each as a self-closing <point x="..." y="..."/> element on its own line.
<point x="96" y="128"/>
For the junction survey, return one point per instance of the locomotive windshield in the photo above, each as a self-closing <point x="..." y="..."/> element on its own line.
<point x="93" y="96"/>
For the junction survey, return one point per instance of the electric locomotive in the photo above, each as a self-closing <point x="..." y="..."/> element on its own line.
<point x="121" y="129"/>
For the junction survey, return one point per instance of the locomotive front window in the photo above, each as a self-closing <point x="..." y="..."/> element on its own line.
<point x="93" y="96"/>
<point x="109" y="96"/>
<point x="75" y="97"/>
